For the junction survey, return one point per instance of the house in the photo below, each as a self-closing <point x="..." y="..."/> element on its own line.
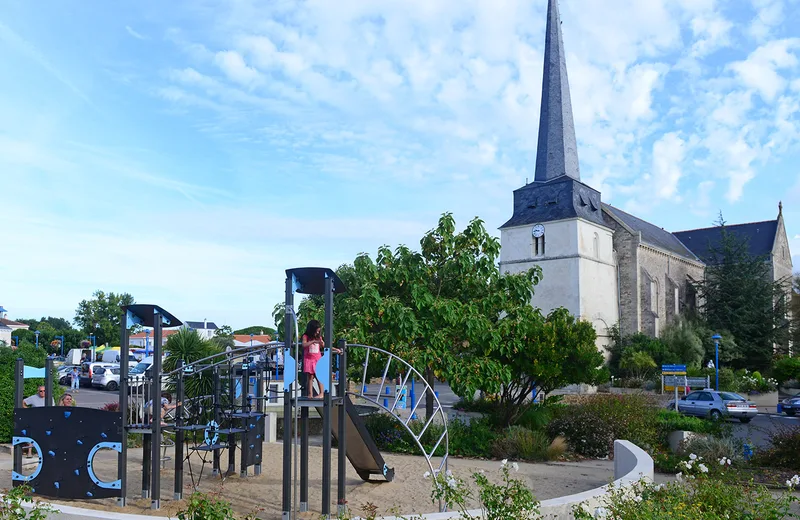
<point x="603" y="264"/>
<point x="206" y="329"/>
<point x="140" y="338"/>
<point x="243" y="340"/>
<point x="7" y="327"/>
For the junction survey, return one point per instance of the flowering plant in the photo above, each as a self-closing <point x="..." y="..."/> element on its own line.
<point x="511" y="499"/>
<point x="755" y="382"/>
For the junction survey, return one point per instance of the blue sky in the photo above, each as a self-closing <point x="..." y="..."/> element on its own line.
<point x="188" y="152"/>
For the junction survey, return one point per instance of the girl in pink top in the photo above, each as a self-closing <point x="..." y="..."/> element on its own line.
<point x="312" y="352"/>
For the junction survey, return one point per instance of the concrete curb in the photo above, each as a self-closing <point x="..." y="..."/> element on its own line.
<point x="631" y="464"/>
<point x="79" y="513"/>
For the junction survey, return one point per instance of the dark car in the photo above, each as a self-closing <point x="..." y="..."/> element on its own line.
<point x="791" y="406"/>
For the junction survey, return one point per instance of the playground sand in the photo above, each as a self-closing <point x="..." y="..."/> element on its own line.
<point x="409" y="493"/>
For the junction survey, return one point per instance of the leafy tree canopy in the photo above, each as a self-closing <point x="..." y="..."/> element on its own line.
<point x="257" y="329"/>
<point x="101" y="315"/>
<point x="448" y="311"/>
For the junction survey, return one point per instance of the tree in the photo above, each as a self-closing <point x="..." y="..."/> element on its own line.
<point x="683" y="342"/>
<point x="451" y="314"/>
<point x="256" y="329"/>
<point x="187" y="345"/>
<point x="101" y="315"/>
<point x="637" y="363"/>
<point x="223" y="338"/>
<point x="738" y="294"/>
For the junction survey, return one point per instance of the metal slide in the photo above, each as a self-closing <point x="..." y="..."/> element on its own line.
<point x="362" y="452"/>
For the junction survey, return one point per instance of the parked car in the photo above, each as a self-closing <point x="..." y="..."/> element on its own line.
<point x="716" y="405"/>
<point x="65" y="374"/>
<point x="87" y="371"/>
<point x="106" y="378"/>
<point x="791" y="406"/>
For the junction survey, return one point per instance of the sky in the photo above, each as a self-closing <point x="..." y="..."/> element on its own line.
<point x="188" y="152"/>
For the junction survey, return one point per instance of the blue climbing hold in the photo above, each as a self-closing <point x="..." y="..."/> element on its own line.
<point x="80" y="442"/>
<point x="48" y="432"/>
<point x="89" y="494"/>
<point x="24" y="432"/>
<point x="57" y="485"/>
<point x="77" y="472"/>
<point x="51" y="453"/>
<point x="251" y="446"/>
<point x="103" y="435"/>
<point x="258" y="436"/>
<point x="67" y="414"/>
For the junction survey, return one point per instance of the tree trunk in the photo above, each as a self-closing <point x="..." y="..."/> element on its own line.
<point x="429" y="394"/>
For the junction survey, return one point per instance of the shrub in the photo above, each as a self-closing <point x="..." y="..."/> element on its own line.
<point x="206" y="507"/>
<point x="521" y="444"/>
<point x="714" y="448"/>
<point x="540" y="415"/>
<point x="670" y="421"/>
<point x="110" y="407"/>
<point x="471" y="440"/>
<point x="786" y="369"/>
<point x="33" y="357"/>
<point x="591" y="426"/>
<point x="783" y="450"/>
<point x="11" y="505"/>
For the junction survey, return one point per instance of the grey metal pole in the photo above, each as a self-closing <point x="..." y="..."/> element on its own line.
<point x="48" y="381"/>
<point x="326" y="406"/>
<point x="260" y="409"/>
<point x="179" y="433"/>
<point x="232" y="404"/>
<point x="342" y="477"/>
<point x="19" y="396"/>
<point x="217" y="402"/>
<point x="155" y="419"/>
<point x="286" y="500"/>
<point x="246" y="420"/>
<point x="303" y="459"/>
<point x="122" y="459"/>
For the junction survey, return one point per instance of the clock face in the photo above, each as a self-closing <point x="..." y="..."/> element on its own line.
<point x="538" y="230"/>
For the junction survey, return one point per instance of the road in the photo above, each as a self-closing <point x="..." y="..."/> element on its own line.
<point x="758" y="430"/>
<point x="91" y="398"/>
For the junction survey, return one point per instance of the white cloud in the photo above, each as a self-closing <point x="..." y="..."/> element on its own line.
<point x="233" y="65"/>
<point x="769" y="13"/>
<point x="134" y="33"/>
<point x="760" y="71"/>
<point x="668" y="154"/>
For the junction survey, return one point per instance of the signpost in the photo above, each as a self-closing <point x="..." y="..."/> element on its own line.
<point x="672" y="370"/>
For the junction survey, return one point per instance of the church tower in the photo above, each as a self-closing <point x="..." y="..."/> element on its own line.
<point x="558" y="221"/>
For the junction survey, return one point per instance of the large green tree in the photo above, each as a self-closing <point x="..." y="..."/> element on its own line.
<point x="738" y="294"/>
<point x="256" y="329"/>
<point x="450" y="313"/>
<point x="101" y="315"/>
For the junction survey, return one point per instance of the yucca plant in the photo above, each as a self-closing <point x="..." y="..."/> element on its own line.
<point x="189" y="346"/>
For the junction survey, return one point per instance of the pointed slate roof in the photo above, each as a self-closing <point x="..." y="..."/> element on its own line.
<point x="557" y="150"/>
<point x="760" y="238"/>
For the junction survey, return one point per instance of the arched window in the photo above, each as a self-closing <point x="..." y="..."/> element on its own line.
<point x="596" y="245"/>
<point x="654" y="295"/>
<point x="538" y="246"/>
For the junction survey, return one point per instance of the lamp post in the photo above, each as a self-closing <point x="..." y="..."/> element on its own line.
<point x="62" y="343"/>
<point x="94" y="345"/>
<point x="716" y="338"/>
<point x="147" y="343"/>
<point x="251" y="341"/>
<point x="37" y="338"/>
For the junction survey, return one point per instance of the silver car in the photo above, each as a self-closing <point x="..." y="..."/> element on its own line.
<point x="106" y="377"/>
<point x="716" y="405"/>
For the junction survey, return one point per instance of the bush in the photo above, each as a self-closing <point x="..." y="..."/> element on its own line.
<point x="591" y="426"/>
<point x="11" y="505"/>
<point x="786" y="369"/>
<point x="539" y="415"/>
<point x="670" y="421"/>
<point x="714" y="448"/>
<point x="522" y="444"/>
<point x="206" y="507"/>
<point x="34" y="358"/>
<point x="784" y="449"/>
<point x="471" y="440"/>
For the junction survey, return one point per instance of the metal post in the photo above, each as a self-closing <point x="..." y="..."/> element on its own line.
<point x="342" y="475"/>
<point x="676" y="393"/>
<point x="232" y="404"/>
<point x="304" y="459"/>
<point x="48" y="381"/>
<point x="326" y="406"/>
<point x="19" y="396"/>
<point x="217" y="402"/>
<point x="260" y="409"/>
<point x="716" y="363"/>
<point x="179" y="433"/>
<point x="245" y="408"/>
<point x="155" y="420"/>
<point x="286" y="499"/>
<point x="122" y="459"/>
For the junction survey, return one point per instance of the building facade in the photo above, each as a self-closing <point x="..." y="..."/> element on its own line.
<point x="604" y="265"/>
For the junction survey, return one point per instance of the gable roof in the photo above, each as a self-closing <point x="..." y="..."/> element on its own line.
<point x="258" y="339"/>
<point x="3" y="326"/>
<point x="651" y="234"/>
<point x="13" y="324"/>
<point x="201" y="325"/>
<point x="760" y="238"/>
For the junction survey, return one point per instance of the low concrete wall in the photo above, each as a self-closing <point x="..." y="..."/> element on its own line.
<point x="676" y="438"/>
<point x="631" y="464"/>
<point x="77" y="513"/>
<point x="767" y="403"/>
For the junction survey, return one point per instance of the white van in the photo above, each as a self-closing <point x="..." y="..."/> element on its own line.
<point x="113" y="356"/>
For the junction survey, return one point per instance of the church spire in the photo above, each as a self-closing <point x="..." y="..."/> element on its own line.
<point x="557" y="151"/>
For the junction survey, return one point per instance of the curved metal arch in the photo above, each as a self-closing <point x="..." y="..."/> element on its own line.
<point x="225" y="357"/>
<point x="376" y="400"/>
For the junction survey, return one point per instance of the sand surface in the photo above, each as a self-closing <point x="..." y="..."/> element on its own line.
<point x="409" y="493"/>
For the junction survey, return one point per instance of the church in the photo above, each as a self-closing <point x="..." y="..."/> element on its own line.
<point x="604" y="265"/>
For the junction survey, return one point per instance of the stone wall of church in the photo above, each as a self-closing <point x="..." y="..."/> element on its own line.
<point x="662" y="287"/>
<point x="781" y="255"/>
<point x="626" y="250"/>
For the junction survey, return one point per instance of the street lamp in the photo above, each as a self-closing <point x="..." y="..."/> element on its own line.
<point x="146" y="342"/>
<point x="251" y="341"/>
<point x="716" y="338"/>
<point x="37" y="338"/>
<point x="92" y="337"/>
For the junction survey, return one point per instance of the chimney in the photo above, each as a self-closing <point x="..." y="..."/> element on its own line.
<point x="205" y="323"/>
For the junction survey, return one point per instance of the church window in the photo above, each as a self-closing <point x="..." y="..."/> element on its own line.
<point x="654" y="295"/>
<point x="596" y="245"/>
<point x="677" y="301"/>
<point x="538" y="246"/>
